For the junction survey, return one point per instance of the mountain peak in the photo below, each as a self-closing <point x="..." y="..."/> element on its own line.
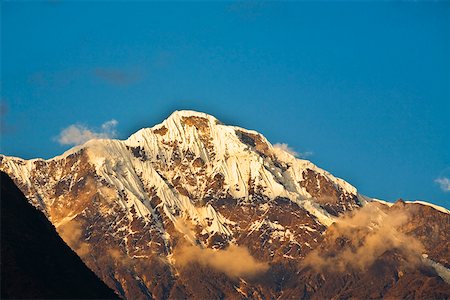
<point x="182" y="118"/>
<point x="179" y="114"/>
<point x="177" y="126"/>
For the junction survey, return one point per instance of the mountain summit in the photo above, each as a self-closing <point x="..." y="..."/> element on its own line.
<point x="195" y="208"/>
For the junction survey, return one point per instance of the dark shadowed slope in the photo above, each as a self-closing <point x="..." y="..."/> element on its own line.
<point x="35" y="261"/>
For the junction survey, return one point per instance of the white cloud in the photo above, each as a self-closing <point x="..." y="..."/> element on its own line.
<point x="444" y="183"/>
<point x="286" y="148"/>
<point x="305" y="154"/>
<point x="109" y="125"/>
<point x="77" y="134"/>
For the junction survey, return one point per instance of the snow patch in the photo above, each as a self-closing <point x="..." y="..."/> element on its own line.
<point x="436" y="207"/>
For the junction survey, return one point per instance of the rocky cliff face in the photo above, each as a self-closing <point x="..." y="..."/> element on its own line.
<point x="195" y="208"/>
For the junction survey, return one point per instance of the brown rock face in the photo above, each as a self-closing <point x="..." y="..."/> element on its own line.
<point x="428" y="225"/>
<point x="255" y="141"/>
<point x="330" y="196"/>
<point x="161" y="131"/>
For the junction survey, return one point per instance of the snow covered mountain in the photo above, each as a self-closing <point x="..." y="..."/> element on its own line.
<point x="161" y="214"/>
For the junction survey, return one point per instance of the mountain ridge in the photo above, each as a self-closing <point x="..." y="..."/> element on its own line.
<point x="190" y="113"/>
<point x="195" y="184"/>
<point x="174" y="122"/>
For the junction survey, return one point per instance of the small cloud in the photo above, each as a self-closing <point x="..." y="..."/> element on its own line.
<point x="109" y="125"/>
<point x="305" y="154"/>
<point x="72" y="233"/>
<point x="77" y="134"/>
<point x="235" y="261"/>
<point x="444" y="183"/>
<point x="368" y="233"/>
<point x="118" y="76"/>
<point x="286" y="148"/>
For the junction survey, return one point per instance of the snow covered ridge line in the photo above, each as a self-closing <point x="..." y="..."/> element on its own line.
<point x="434" y="206"/>
<point x="192" y="156"/>
<point x="236" y="153"/>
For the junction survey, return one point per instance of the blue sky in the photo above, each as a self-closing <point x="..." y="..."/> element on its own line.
<point x="364" y="86"/>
